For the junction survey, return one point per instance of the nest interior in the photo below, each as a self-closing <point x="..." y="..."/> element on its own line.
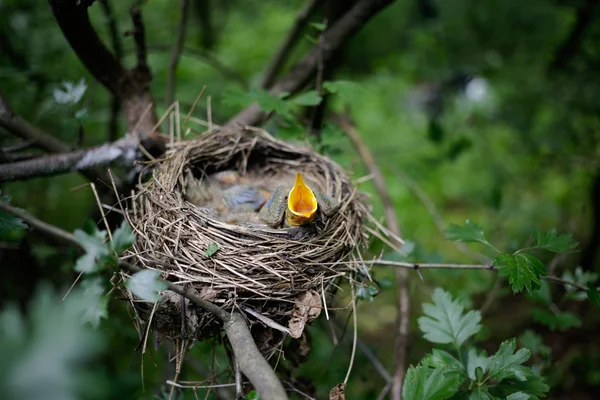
<point x="258" y="269"/>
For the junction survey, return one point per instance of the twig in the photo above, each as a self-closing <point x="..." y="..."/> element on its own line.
<point x="139" y="37"/>
<point x="300" y="74"/>
<point x="252" y="363"/>
<point x="184" y="6"/>
<point x="287" y="46"/>
<point x="403" y="299"/>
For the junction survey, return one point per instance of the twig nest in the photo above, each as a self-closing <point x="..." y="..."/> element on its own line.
<point x="278" y="276"/>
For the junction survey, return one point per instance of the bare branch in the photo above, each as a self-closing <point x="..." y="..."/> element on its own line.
<point x="403" y="299"/>
<point x="176" y="52"/>
<point x="124" y="150"/>
<point x="301" y="73"/>
<point x="288" y="45"/>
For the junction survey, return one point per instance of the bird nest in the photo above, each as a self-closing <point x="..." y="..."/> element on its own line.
<point x="280" y="277"/>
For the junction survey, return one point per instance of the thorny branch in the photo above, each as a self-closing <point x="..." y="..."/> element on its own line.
<point x="403" y="299"/>
<point x="251" y="361"/>
<point x="304" y="69"/>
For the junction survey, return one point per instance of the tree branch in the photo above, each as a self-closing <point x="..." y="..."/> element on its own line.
<point x="17" y="125"/>
<point x="300" y="74"/>
<point x="131" y="86"/>
<point x="176" y="51"/>
<point x="124" y="150"/>
<point x="252" y="363"/>
<point x="288" y="45"/>
<point x="403" y="299"/>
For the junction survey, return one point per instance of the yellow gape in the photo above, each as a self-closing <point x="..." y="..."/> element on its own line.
<point x="302" y="203"/>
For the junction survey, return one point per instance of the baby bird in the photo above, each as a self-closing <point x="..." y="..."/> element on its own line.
<point x="299" y="205"/>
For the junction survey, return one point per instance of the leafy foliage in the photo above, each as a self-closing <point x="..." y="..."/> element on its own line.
<point x="123" y="238"/>
<point x="559" y="321"/>
<point x="95" y="249"/>
<point x="440" y="375"/>
<point x="445" y="322"/>
<point x="44" y="353"/>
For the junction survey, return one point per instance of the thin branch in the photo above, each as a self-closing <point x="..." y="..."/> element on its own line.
<point x="176" y="52"/>
<point x="304" y="69"/>
<point x="403" y="299"/>
<point x="251" y="361"/>
<point x="208" y="58"/>
<point x="288" y="45"/>
<point x="43" y="227"/>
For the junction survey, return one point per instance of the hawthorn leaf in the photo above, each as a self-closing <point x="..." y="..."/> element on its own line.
<point x="123" y="238"/>
<point x="523" y="271"/>
<point x="518" y="396"/>
<point x="470" y="232"/>
<point x="554" y="242"/>
<point x="507" y="364"/>
<point x="444" y="321"/>
<point x="310" y="98"/>
<point x="476" y="360"/>
<point x="592" y="294"/>
<point x="145" y="284"/>
<point x="424" y="383"/>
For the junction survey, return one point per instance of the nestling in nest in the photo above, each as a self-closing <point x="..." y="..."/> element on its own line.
<point x="253" y="224"/>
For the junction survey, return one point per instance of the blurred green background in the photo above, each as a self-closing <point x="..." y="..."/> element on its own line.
<point x="481" y="110"/>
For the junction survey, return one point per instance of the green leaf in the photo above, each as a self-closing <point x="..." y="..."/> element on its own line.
<point x="96" y="305"/>
<point x="518" y="396"/>
<point x="310" y="98"/>
<point x="470" y="232"/>
<point x="592" y="294"/>
<point x="442" y="359"/>
<point x="347" y="90"/>
<point x="211" y="249"/>
<point x="554" y="242"/>
<point x="318" y="26"/>
<point x="94" y="247"/>
<point x="523" y="270"/>
<point x="534" y="343"/>
<point x="480" y="392"/>
<point x="236" y="97"/>
<point x="424" y="383"/>
<point x="444" y="321"/>
<point x="534" y="386"/>
<point x="253" y="395"/>
<point x="507" y="364"/>
<point x="561" y="321"/>
<point x="8" y="222"/>
<point x="145" y="284"/>
<point x="271" y="103"/>
<point x="476" y="360"/>
<point x="123" y="238"/>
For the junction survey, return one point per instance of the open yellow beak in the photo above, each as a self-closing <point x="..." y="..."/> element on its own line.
<point x="302" y="202"/>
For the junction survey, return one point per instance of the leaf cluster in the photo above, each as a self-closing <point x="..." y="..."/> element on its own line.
<point x="441" y="375"/>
